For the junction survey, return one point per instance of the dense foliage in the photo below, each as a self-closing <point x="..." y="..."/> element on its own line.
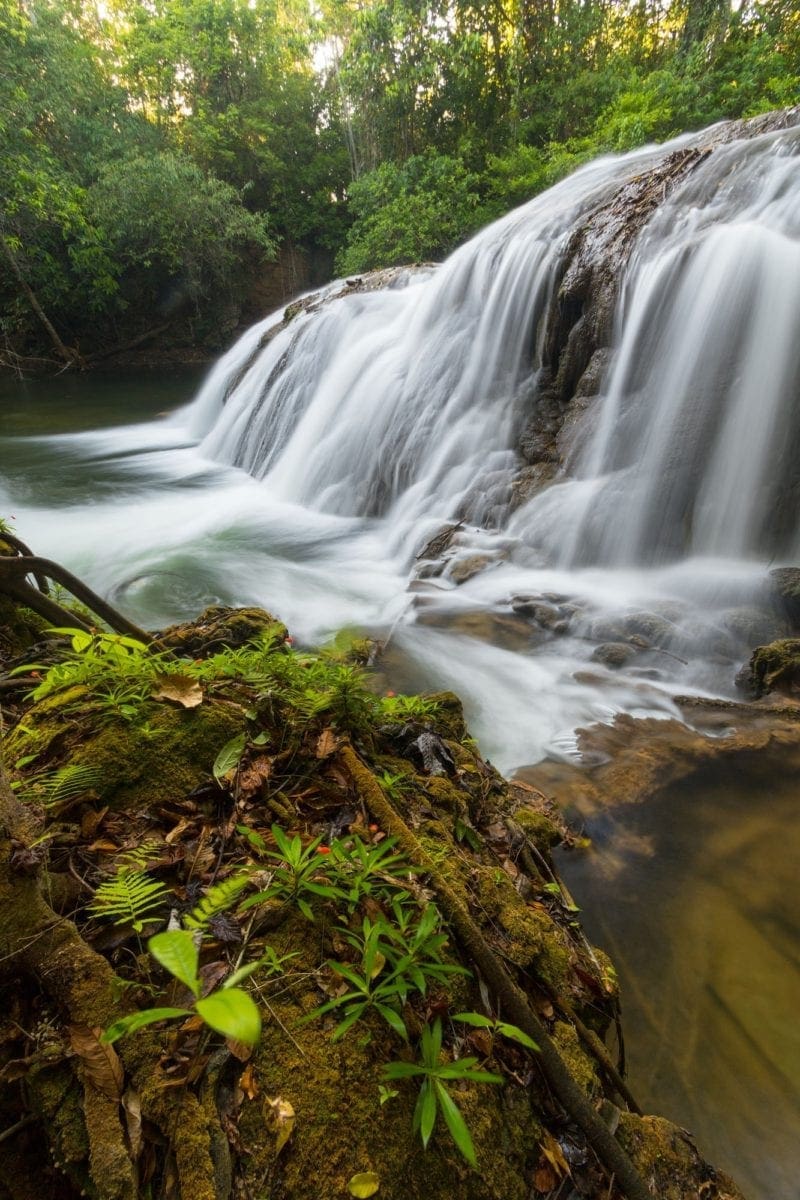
<point x="154" y="156"/>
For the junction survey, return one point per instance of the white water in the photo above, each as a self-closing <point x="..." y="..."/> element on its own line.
<point x="309" y="472"/>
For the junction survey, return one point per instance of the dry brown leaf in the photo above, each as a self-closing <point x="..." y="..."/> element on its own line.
<point x="181" y="689"/>
<point x="183" y="824"/>
<point x="91" y="822"/>
<point x="327" y="744"/>
<point x="101" y="1063"/>
<point x="254" y="774"/>
<point x="545" y="1178"/>
<point x="554" y="1154"/>
<point x="105" y="845"/>
<point x="247" y="1082"/>
<point x="239" y="1050"/>
<point x="280" y="1118"/>
<point x="132" y="1108"/>
<point x="510" y="868"/>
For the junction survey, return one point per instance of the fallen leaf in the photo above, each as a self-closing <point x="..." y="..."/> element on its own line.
<point x="247" y="1081"/>
<point x="327" y="744"/>
<point x="239" y="1050"/>
<point x="364" y="1184"/>
<point x="105" y="845"/>
<point x="510" y="868"/>
<point x="545" y="1178"/>
<point x="280" y="1118"/>
<point x="554" y="1154"/>
<point x="101" y="1062"/>
<point x="182" y="689"/>
<point x="133" y="1121"/>
<point x="254" y="774"/>
<point x="91" y="822"/>
<point x="174" y="833"/>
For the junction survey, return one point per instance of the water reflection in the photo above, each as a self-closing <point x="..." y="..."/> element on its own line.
<point x="695" y="896"/>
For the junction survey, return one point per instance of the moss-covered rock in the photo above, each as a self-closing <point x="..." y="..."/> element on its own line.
<point x="775" y="667"/>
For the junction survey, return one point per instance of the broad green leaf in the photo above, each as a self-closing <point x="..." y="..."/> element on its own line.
<point x="456" y="1124"/>
<point x="401" y="1070"/>
<point x="229" y="756"/>
<point x="147" y="1016"/>
<point x="233" y="1013"/>
<point x="176" y="951"/>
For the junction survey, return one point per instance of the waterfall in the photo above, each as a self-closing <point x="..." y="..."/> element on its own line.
<point x="326" y="451"/>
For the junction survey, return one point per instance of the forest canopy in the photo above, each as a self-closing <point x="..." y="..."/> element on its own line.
<point x="154" y="155"/>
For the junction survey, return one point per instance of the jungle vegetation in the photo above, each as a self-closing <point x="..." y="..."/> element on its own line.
<point x="154" y="155"/>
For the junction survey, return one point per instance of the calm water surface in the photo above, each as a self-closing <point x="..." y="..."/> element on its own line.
<point x="695" y="897"/>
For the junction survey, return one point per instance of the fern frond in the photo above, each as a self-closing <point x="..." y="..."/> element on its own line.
<point x="62" y="787"/>
<point x="137" y="858"/>
<point x="130" y="898"/>
<point x="219" y="898"/>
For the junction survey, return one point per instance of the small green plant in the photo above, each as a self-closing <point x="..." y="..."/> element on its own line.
<point x="228" y="1010"/>
<point x="130" y="898"/>
<point x="363" y="869"/>
<point x="395" y="959"/>
<point x="297" y="870"/>
<point x="433" y="1094"/>
<point x="118" y="672"/>
<point x="513" y="1032"/>
<point x="406" y="708"/>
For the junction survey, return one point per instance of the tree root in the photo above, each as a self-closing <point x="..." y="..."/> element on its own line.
<point x="34" y="940"/>
<point x="14" y="570"/>
<point x="512" y="1001"/>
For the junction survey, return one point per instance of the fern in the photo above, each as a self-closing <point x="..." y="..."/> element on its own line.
<point x="61" y="788"/>
<point x="137" y="858"/>
<point x="219" y="898"/>
<point x="130" y="898"/>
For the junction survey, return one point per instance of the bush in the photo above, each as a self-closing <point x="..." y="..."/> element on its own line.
<point x="409" y="213"/>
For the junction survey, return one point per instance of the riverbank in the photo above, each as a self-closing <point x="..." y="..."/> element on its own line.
<point x="185" y="767"/>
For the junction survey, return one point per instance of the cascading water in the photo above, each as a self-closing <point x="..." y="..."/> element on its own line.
<point x="323" y="453"/>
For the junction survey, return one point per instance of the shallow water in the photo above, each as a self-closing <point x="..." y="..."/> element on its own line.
<point x="695" y="897"/>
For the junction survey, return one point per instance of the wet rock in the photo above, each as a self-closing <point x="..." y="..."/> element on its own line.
<point x="547" y="616"/>
<point x="752" y="626"/>
<point x="467" y="568"/>
<point x="614" y="654"/>
<point x="531" y="480"/>
<point x="785" y="582"/>
<point x="592" y="378"/>
<point x="775" y="667"/>
<point x="657" y="631"/>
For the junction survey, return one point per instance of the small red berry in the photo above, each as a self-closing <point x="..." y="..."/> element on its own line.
<point x="391" y="694"/>
<point x="323" y="849"/>
<point x="373" y="828"/>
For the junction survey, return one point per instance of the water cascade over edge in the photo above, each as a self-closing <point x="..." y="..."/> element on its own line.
<point x="324" y="452"/>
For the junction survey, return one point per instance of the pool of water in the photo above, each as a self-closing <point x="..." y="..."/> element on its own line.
<point x="695" y="896"/>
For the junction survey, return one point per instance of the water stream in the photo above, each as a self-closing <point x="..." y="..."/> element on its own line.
<point x="317" y="460"/>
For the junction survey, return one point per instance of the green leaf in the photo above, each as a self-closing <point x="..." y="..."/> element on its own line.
<point x="147" y="1016"/>
<point x="427" y="1113"/>
<point x="455" y="1123"/>
<point x="401" y="1070"/>
<point x="473" y="1018"/>
<point x="229" y="756"/>
<point x="176" y="951"/>
<point x="394" y="1019"/>
<point x="233" y="1013"/>
<point x="516" y="1034"/>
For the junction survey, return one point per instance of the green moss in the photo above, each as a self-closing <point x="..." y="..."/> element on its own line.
<point x="580" y="1065"/>
<point x="533" y="940"/>
<point x="19" y="629"/>
<point x="538" y="828"/>
<point x="775" y="666"/>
